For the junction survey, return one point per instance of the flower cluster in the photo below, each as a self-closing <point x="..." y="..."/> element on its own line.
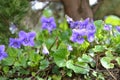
<point x="3" y="54"/>
<point x="48" y="24"/>
<point x="80" y="29"/>
<point x="25" y="39"/>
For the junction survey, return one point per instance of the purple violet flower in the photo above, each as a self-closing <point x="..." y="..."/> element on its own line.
<point x="107" y="27"/>
<point x="15" y="43"/>
<point x="75" y="25"/>
<point x="84" y="24"/>
<point x="90" y="37"/>
<point x="27" y="39"/>
<point x="77" y="36"/>
<point x="48" y="24"/>
<point x="118" y="28"/>
<point x="3" y="54"/>
<point x="91" y="28"/>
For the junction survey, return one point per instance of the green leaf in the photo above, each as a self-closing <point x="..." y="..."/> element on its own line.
<point x="65" y="35"/>
<point x="55" y="70"/>
<point x="8" y="61"/>
<point x="38" y="78"/>
<point x="64" y="25"/>
<point x="60" y="57"/>
<point x="118" y="60"/>
<point x="94" y="73"/>
<point x="33" y="56"/>
<point x="6" y="69"/>
<point x="98" y="23"/>
<point x="113" y="20"/>
<point x="49" y="42"/>
<point x="85" y="58"/>
<point x="109" y="54"/>
<point x="99" y="48"/>
<point x="84" y="46"/>
<point x="99" y="29"/>
<point x="117" y="50"/>
<point x="47" y="12"/>
<point x="3" y="78"/>
<point x="99" y="26"/>
<point x="56" y="77"/>
<point x="105" y="61"/>
<point x="44" y="64"/>
<point x="22" y="60"/>
<point x="33" y="73"/>
<point x="76" y="69"/>
<point x="17" y="64"/>
<point x="62" y="45"/>
<point x="13" y="52"/>
<point x="100" y="76"/>
<point x="69" y="73"/>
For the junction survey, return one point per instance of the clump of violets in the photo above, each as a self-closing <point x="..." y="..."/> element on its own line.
<point x="25" y="39"/>
<point x="3" y="54"/>
<point x="82" y="29"/>
<point x="48" y="24"/>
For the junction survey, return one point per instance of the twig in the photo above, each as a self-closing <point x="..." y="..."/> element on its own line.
<point x="111" y="74"/>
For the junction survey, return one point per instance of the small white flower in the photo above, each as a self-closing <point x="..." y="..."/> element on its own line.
<point x="13" y="28"/>
<point x="45" y="50"/>
<point x="69" y="19"/>
<point x="69" y="47"/>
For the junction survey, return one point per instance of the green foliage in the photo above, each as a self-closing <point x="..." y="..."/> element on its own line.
<point x="31" y="63"/>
